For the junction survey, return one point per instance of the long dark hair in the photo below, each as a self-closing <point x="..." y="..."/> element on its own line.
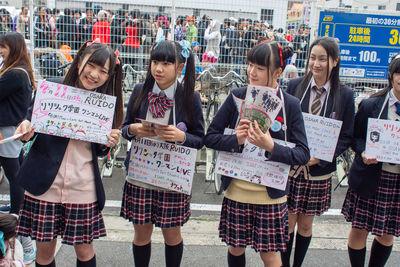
<point x="394" y="67"/>
<point x="8" y="222"/>
<point x="169" y="51"/>
<point x="332" y="49"/>
<point x="18" y="56"/>
<point x="270" y="55"/>
<point x="99" y="53"/>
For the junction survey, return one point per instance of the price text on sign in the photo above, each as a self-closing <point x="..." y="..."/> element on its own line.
<point x="367" y="41"/>
<point x="252" y="166"/>
<point x="71" y="112"/>
<point x="383" y="140"/>
<point x="162" y="164"/>
<point x="322" y="136"/>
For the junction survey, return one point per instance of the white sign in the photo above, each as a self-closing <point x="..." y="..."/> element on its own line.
<point x="162" y="164"/>
<point x="74" y="113"/>
<point x="252" y="166"/>
<point x="383" y="140"/>
<point x="322" y="136"/>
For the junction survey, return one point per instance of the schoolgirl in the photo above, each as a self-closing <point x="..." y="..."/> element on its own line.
<point x="253" y="214"/>
<point x="64" y="193"/>
<point x="372" y="200"/>
<point x="164" y="100"/>
<point x="320" y="93"/>
<point x="11" y="252"/>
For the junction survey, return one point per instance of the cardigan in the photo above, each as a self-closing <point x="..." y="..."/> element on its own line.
<point x="227" y="116"/>
<point x="346" y="115"/>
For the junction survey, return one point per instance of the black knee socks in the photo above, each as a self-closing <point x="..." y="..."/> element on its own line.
<point x="52" y="264"/>
<point x="379" y="254"/>
<point x="89" y="263"/>
<point x="173" y="255"/>
<point x="285" y="256"/>
<point x="357" y="256"/>
<point x="141" y="255"/>
<point x="236" y="261"/>
<point x="302" y="243"/>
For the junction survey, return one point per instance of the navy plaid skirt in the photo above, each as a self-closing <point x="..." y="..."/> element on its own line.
<point x="379" y="214"/>
<point x="263" y="227"/>
<point x="310" y="197"/>
<point x="76" y="223"/>
<point x="163" y="208"/>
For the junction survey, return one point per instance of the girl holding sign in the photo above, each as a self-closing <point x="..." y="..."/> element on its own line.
<point x="372" y="200"/>
<point x="163" y="100"/>
<point x="64" y="192"/>
<point x="320" y="94"/>
<point x="253" y="214"/>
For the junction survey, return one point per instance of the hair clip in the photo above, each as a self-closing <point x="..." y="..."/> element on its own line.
<point x="117" y="61"/>
<point x="185" y="48"/>
<point x="95" y="41"/>
<point x="280" y="54"/>
<point x="3" y="246"/>
<point x="162" y="39"/>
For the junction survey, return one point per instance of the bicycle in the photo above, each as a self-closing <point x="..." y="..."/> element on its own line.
<point x="343" y="164"/>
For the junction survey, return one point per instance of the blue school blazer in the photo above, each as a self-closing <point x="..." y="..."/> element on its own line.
<point x="363" y="178"/>
<point x="40" y="167"/>
<point x="346" y="115"/>
<point x="194" y="134"/>
<point x="226" y="117"/>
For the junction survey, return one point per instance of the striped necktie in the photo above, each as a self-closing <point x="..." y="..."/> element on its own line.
<point x="159" y="104"/>
<point x="316" y="104"/>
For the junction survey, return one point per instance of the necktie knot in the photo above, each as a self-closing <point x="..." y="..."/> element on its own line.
<point x="319" y="91"/>
<point x="159" y="104"/>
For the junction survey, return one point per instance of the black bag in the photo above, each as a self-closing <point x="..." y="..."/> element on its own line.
<point x="49" y="66"/>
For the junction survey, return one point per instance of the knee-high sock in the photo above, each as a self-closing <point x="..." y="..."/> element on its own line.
<point x="379" y="254"/>
<point x="357" y="256"/>
<point x="173" y="255"/>
<point x="52" y="264"/>
<point x="141" y="255"/>
<point x="285" y="256"/>
<point x="236" y="261"/>
<point x="302" y="243"/>
<point x="89" y="263"/>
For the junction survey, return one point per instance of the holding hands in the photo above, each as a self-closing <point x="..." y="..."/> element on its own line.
<point x="254" y="134"/>
<point x="26" y="129"/>
<point x="368" y="161"/>
<point x="166" y="133"/>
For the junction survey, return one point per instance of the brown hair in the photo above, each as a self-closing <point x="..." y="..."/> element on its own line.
<point x="18" y="56"/>
<point x="8" y="222"/>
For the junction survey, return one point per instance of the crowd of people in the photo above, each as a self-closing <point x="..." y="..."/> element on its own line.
<point x="134" y="32"/>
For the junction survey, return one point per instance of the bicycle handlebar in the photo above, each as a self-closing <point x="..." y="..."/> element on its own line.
<point x="218" y="78"/>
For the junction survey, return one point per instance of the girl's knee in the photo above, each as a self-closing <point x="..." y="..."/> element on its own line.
<point x="236" y="251"/>
<point x="143" y="234"/>
<point x="271" y="258"/>
<point x="358" y="233"/>
<point x="45" y="252"/>
<point x="172" y="236"/>
<point x="386" y="240"/>
<point x="84" y="252"/>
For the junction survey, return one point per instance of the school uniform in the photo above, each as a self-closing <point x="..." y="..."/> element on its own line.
<point x="62" y="180"/>
<point x="249" y="210"/>
<point x="143" y="203"/>
<point x="372" y="200"/>
<point x="310" y="188"/>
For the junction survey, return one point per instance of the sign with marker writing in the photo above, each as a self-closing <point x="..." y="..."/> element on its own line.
<point x="162" y="164"/>
<point x="383" y="140"/>
<point x="322" y="135"/>
<point x="71" y="112"/>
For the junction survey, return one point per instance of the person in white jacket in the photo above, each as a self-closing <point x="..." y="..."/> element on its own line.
<point x="213" y="37"/>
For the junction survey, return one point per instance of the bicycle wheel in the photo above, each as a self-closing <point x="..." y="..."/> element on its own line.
<point x="216" y="177"/>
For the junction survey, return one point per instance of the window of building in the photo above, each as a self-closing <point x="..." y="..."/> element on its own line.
<point x="381" y="7"/>
<point x="267" y="15"/>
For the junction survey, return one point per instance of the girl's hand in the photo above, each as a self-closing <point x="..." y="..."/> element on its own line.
<point x="170" y="133"/>
<point x="242" y="131"/>
<point x="368" y="161"/>
<point x="26" y="129"/>
<point x="313" y="161"/>
<point x="113" y="138"/>
<point x="141" y="130"/>
<point x="260" y="139"/>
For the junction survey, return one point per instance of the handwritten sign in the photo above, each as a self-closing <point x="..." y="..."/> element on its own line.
<point x="252" y="166"/>
<point x="383" y="140"/>
<point x="71" y="112"/>
<point x="162" y="164"/>
<point x="322" y="135"/>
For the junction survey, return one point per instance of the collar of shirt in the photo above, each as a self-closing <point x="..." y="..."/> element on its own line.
<point x="392" y="98"/>
<point x="326" y="86"/>
<point x="169" y="92"/>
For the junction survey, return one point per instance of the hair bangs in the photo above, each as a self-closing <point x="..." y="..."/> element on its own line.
<point x="164" y="51"/>
<point x="260" y="55"/>
<point x="394" y="66"/>
<point x="99" y="57"/>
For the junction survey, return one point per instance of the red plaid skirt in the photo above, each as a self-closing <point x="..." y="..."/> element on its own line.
<point x="263" y="227"/>
<point x="379" y="214"/>
<point x="75" y="223"/>
<point x="163" y="208"/>
<point x="309" y="197"/>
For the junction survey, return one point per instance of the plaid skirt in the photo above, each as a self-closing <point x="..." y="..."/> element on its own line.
<point x="263" y="227"/>
<point x="379" y="214"/>
<point x="76" y="223"/>
<point x="163" y="208"/>
<point x="310" y="197"/>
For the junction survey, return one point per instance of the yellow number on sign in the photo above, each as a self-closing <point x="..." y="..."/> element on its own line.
<point x="395" y="37"/>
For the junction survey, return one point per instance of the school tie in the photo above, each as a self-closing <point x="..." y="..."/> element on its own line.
<point x="316" y="104"/>
<point x="397" y="108"/>
<point x="159" y="104"/>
